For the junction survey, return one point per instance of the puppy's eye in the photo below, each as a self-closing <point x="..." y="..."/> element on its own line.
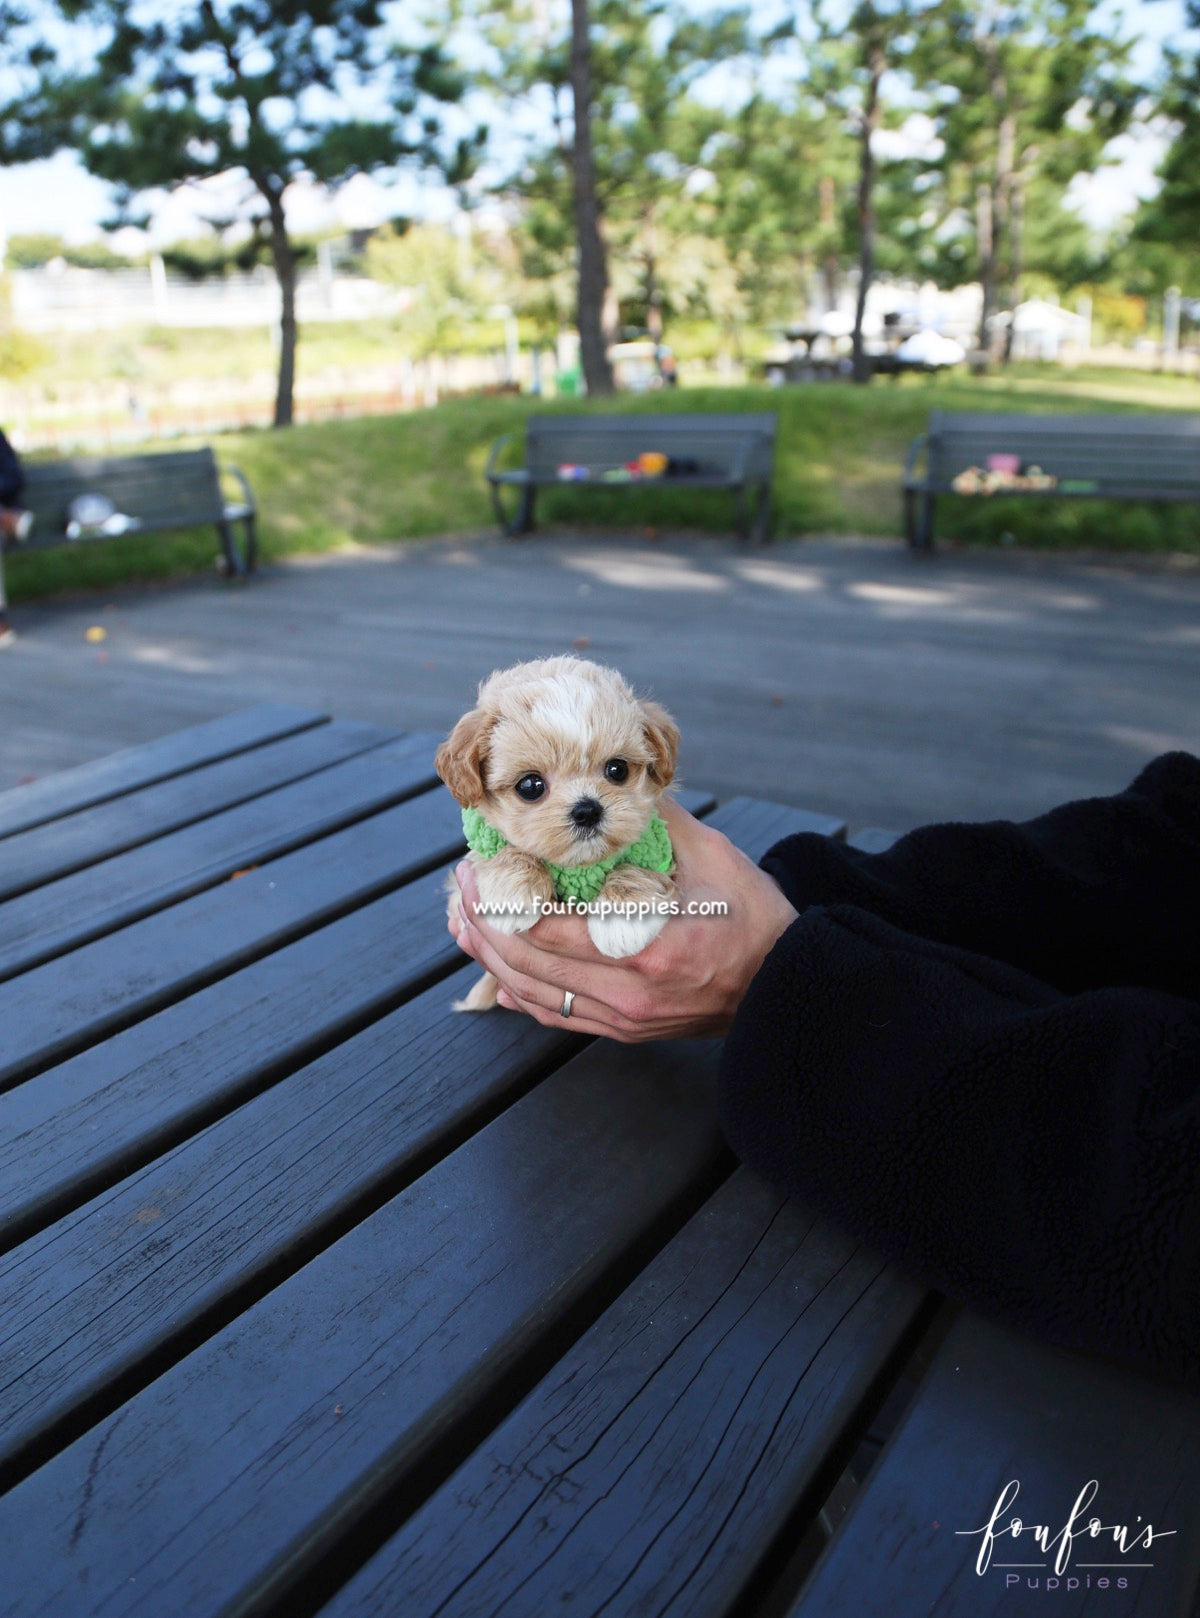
<point x="616" y="770"/>
<point x="530" y="787"/>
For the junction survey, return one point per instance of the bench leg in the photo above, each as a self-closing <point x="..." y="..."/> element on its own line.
<point x="919" y="510"/>
<point x="525" y="523"/>
<point x="929" y="512"/>
<point x="522" y="520"/>
<point x="229" y="562"/>
<point x="762" y="517"/>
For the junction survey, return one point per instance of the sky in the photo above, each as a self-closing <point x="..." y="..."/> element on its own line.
<point x="59" y="197"/>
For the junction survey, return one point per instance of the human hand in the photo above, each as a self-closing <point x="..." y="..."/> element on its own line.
<point x="690" y="980"/>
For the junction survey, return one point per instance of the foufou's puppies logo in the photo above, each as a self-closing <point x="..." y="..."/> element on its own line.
<point x="1111" y="1549"/>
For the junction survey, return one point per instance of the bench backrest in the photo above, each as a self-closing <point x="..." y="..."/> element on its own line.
<point x="174" y="490"/>
<point x="713" y="442"/>
<point x="1160" y="454"/>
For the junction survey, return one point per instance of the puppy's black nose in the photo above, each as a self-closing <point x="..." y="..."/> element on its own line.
<point x="587" y="814"/>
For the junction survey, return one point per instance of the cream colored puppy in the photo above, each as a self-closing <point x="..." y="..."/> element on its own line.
<point x="559" y="769"/>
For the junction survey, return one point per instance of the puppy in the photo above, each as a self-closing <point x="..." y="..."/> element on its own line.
<point x="559" y="769"/>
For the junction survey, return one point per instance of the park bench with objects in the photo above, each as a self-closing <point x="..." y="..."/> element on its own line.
<point x="609" y="452"/>
<point x="90" y="497"/>
<point x="979" y="454"/>
<point x="321" y="1299"/>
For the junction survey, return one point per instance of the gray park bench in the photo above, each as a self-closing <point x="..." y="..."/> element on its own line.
<point x="705" y="451"/>
<point x="148" y="494"/>
<point x="1107" y="457"/>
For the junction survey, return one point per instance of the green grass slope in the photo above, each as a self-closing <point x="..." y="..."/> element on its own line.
<point x="838" y="461"/>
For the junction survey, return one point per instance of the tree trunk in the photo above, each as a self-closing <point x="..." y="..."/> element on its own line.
<point x="1002" y="223"/>
<point x="592" y="270"/>
<point x="985" y="233"/>
<point x="283" y="257"/>
<point x="830" y="278"/>
<point x="1016" y="221"/>
<point x="866" y="205"/>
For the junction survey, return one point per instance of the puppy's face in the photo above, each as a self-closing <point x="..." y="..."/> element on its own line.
<point x="562" y="759"/>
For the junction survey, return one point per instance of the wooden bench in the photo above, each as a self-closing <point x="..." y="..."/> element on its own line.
<point x="145" y="494"/>
<point x="322" y="1300"/>
<point x="732" y="452"/>
<point x="1001" y="454"/>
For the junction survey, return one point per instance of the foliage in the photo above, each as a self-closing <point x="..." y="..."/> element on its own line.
<point x="1027" y="97"/>
<point x="650" y="130"/>
<point x="33" y="251"/>
<point x="1169" y="223"/>
<point x="20" y="354"/>
<point x="451" y="279"/>
<point x="264" y="87"/>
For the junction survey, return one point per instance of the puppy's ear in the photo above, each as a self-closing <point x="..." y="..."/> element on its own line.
<point x="461" y="757"/>
<point x="662" y="738"/>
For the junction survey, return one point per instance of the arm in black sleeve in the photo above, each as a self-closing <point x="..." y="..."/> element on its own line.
<point x="1105" y="891"/>
<point x="1032" y="1154"/>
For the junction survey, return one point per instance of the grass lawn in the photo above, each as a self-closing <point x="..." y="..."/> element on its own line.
<point x="838" y="462"/>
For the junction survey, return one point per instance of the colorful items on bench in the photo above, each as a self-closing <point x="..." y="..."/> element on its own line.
<point x="1002" y="476"/>
<point x="650" y="463"/>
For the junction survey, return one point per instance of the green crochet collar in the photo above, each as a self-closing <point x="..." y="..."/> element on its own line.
<point x="582" y="883"/>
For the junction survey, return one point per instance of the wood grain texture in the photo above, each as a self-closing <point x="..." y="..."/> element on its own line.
<point x="112" y="1106"/>
<point x="109" y="894"/>
<point x="67" y="791"/>
<point x="754" y="824"/>
<point x="76" y="999"/>
<point x="32" y="858"/>
<point x="653" y="1468"/>
<point x="996" y="1407"/>
<point x="68" y="1132"/>
<point x="246" y="1200"/>
<point x="239" y="1466"/>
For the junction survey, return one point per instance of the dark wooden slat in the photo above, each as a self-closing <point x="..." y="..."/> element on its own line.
<point x="763" y="823"/>
<point x="651" y="1471"/>
<point x="241" y="1463"/>
<point x="997" y="1407"/>
<point x="79" y="1125"/>
<point x="65" y="1135"/>
<point x="110" y="894"/>
<point x="91" y="1298"/>
<point x="32" y="858"/>
<point x="72" y="1001"/>
<point x="135" y="767"/>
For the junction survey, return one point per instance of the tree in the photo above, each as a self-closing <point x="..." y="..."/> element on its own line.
<point x="1170" y="220"/>
<point x="592" y="274"/>
<point x="1031" y="91"/>
<point x="608" y="182"/>
<point x="195" y="89"/>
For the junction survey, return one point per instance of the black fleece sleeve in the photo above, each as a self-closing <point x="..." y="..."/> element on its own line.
<point x="1030" y="1153"/>
<point x="1105" y="891"/>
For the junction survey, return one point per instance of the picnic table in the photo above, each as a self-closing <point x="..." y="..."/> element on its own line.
<point x="320" y="1299"/>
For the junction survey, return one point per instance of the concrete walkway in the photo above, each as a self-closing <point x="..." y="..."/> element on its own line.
<point x="850" y="678"/>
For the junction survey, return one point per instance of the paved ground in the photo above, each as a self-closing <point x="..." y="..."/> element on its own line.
<point x="850" y="678"/>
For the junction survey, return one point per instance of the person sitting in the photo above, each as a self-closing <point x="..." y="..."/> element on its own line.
<point x="978" y="1051"/>
<point x="15" y="522"/>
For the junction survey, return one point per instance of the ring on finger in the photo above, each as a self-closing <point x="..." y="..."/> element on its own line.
<point x="565" y="1009"/>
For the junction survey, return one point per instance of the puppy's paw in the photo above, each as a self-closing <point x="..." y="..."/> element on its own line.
<point x="481" y="996"/>
<point x="514" y="922"/>
<point x="618" y="934"/>
<point x="514" y="889"/>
